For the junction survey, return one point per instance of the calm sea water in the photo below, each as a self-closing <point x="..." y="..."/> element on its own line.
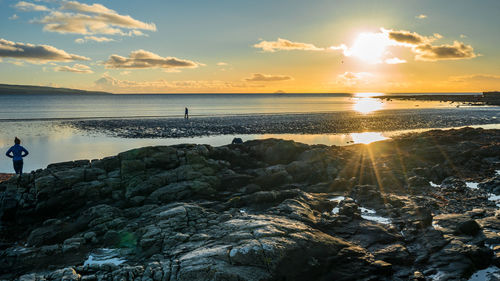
<point x="35" y="119"/>
<point x="146" y="105"/>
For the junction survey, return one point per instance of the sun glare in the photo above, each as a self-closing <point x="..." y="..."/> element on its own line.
<point x="367" y="105"/>
<point x="369" y="47"/>
<point x="367" y="137"/>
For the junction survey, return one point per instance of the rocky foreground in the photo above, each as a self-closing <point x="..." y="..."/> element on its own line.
<point x="261" y="210"/>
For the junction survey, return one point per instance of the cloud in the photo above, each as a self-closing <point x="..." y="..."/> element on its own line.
<point x="79" y="18"/>
<point x="257" y="77"/>
<point x="14" y="17"/>
<point x="285" y="45"/>
<point x="30" y="7"/>
<point x="93" y="38"/>
<point x="407" y="37"/>
<point x="136" y="33"/>
<point x="79" y="7"/>
<point x="222" y="63"/>
<point x="145" y="59"/>
<point x="421" y="17"/>
<point x="35" y="53"/>
<point x="109" y="83"/>
<point x="394" y="61"/>
<point x="353" y="78"/>
<point x="77" y="68"/>
<point x="372" y="47"/>
<point x="475" y="78"/>
<point x="458" y="50"/>
<point x="16" y="62"/>
<point x="463" y="36"/>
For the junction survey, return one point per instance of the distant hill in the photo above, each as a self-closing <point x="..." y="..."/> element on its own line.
<point x="35" y="90"/>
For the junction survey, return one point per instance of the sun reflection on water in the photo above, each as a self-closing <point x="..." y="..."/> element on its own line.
<point x="367" y="105"/>
<point x="367" y="137"/>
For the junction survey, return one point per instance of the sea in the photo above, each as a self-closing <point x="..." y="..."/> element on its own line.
<point x="36" y="119"/>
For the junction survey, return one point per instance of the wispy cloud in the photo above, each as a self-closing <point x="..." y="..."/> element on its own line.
<point x="222" y="63"/>
<point x="98" y="39"/>
<point x="285" y="45"/>
<point x="14" y="17"/>
<point x="30" y="7"/>
<point x="394" y="61"/>
<point x="35" y="53"/>
<point x="257" y="77"/>
<point x="80" y="18"/>
<point x="108" y="82"/>
<point x="354" y="79"/>
<point x="476" y="78"/>
<point x="421" y="16"/>
<point x="77" y="68"/>
<point x="145" y="59"/>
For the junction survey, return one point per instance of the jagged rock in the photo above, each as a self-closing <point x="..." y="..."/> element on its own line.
<point x="260" y="210"/>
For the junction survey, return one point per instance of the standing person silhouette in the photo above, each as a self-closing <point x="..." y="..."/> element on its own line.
<point x="186" y="113"/>
<point x="17" y="152"/>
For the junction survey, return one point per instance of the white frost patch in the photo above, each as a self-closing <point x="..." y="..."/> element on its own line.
<point x="434" y="185"/>
<point x="489" y="274"/>
<point x="104" y="256"/>
<point x="336" y="199"/>
<point x="472" y="185"/>
<point x="497" y="172"/>
<point x="494" y="198"/>
<point x="243" y="211"/>
<point x="371" y="215"/>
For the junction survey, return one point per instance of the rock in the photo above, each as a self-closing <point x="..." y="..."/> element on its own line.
<point x="66" y="274"/>
<point x="259" y="210"/>
<point x="394" y="254"/>
<point x="469" y="227"/>
<point x="132" y="168"/>
<point x="237" y="141"/>
<point x="457" y="223"/>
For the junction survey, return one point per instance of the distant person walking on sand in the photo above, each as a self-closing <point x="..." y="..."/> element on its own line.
<point x="186" y="113"/>
<point x="17" y="152"/>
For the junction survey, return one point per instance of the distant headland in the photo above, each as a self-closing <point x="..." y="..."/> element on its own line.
<point x="35" y="90"/>
<point x="487" y="98"/>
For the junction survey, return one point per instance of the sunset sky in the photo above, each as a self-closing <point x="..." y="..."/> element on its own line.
<point x="252" y="46"/>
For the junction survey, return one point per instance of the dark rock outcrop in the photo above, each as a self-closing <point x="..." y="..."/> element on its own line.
<point x="260" y="210"/>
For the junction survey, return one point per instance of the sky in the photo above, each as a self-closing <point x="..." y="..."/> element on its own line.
<point x="259" y="46"/>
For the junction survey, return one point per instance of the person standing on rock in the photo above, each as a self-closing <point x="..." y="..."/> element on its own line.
<point x="17" y="152"/>
<point x="186" y="113"/>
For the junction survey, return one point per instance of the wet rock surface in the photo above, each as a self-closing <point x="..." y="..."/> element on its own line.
<point x="261" y="210"/>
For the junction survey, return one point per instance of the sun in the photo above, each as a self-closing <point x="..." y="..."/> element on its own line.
<point x="369" y="47"/>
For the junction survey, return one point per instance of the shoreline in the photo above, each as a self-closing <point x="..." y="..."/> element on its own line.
<point x="311" y="123"/>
